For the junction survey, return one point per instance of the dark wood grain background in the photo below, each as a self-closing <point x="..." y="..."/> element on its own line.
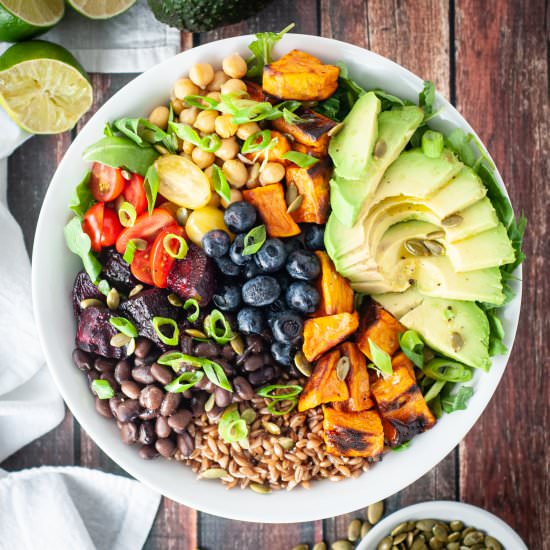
<point x="491" y="58"/>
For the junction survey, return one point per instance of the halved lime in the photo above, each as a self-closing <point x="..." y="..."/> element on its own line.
<point x="100" y="9"/>
<point x="43" y="88"/>
<point x="21" y="19"/>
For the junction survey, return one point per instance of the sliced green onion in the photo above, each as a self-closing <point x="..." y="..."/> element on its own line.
<point x="123" y="325"/>
<point x="216" y="375"/>
<point x="151" y="185"/>
<point x="301" y="159"/>
<point x="103" y="389"/>
<point x="184" y="381"/>
<point x="231" y="427"/>
<point x="291" y="390"/>
<point x="275" y="406"/>
<point x="434" y="390"/>
<point x="182" y="249"/>
<point x="213" y="371"/>
<point x="159" y="322"/>
<point x="412" y="346"/>
<point x="219" y="182"/>
<point x="130" y="252"/>
<point x="127" y="214"/>
<point x="172" y="359"/>
<point x="252" y="145"/>
<point x="201" y="102"/>
<point x="381" y="359"/>
<point x="432" y="144"/>
<point x="191" y="302"/>
<point x="447" y="370"/>
<point x="402" y="447"/>
<point x="254" y="240"/>
<point x="211" y="327"/>
<point x="209" y="143"/>
<point x="104" y="287"/>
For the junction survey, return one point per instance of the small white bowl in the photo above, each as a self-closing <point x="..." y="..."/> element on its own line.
<point x="446" y="510"/>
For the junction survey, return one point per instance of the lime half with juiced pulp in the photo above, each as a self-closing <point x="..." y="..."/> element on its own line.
<point x="43" y="88"/>
<point x="21" y="19"/>
<point x="100" y="9"/>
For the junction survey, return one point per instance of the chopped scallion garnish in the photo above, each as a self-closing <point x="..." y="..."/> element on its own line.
<point x="254" y="240"/>
<point x="220" y="336"/>
<point x="182" y="247"/>
<point x="123" y="325"/>
<point x="159" y="322"/>
<point x="103" y="389"/>
<point x="220" y="184"/>
<point x="184" y="381"/>
<point x="381" y="359"/>
<point x="432" y="144"/>
<point x="127" y="214"/>
<point x="192" y="303"/>
<point x="301" y="159"/>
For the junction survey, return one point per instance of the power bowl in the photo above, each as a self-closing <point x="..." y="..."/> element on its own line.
<point x="54" y="269"/>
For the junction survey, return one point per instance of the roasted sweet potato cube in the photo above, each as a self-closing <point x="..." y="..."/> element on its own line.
<point x="401" y="403"/>
<point x="256" y="92"/>
<point x="298" y="75"/>
<point x="335" y="291"/>
<point x="357" y="378"/>
<point x="324" y="333"/>
<point x="274" y="153"/>
<point x="323" y="386"/>
<point x="313" y="185"/>
<point x="353" y="433"/>
<point x="308" y="150"/>
<point x="312" y="132"/>
<point x="380" y="326"/>
<point x="270" y="202"/>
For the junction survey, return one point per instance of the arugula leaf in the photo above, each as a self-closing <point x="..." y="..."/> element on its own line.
<point x="457" y="401"/>
<point x="353" y="89"/>
<point x="496" y="334"/>
<point x="79" y="243"/>
<point x="261" y="49"/>
<point x="388" y="100"/>
<point x="329" y="108"/>
<point x="412" y="346"/>
<point x="82" y="197"/>
<point x="151" y="185"/>
<point x="143" y="133"/>
<point x="426" y="98"/>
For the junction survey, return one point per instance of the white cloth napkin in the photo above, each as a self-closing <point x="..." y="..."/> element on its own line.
<point x="92" y="510"/>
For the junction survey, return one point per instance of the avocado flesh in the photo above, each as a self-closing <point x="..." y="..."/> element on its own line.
<point x="399" y="303"/>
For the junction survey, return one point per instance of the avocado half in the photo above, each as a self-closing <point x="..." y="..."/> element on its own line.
<point x="204" y="15"/>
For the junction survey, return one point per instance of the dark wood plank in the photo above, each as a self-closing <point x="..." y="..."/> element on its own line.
<point x="502" y="77"/>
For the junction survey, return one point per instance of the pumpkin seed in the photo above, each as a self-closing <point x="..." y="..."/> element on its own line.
<point x="295" y="204"/>
<point x="454" y="536"/>
<point x="213" y="473"/>
<point x="453" y="546"/>
<point x="175" y="300"/>
<point x="385" y="544"/>
<point x="320" y="546"/>
<point x="249" y="415"/>
<point x="425" y="525"/>
<point x="440" y="532"/>
<point x="90" y="302"/>
<point x="468" y="530"/>
<point x="492" y="544"/>
<point x="401" y="528"/>
<point x="342" y="367"/>
<point x="119" y="340"/>
<point x="354" y="530"/>
<point x="237" y="344"/>
<point x="261" y="489"/>
<point x="365" y="528"/>
<point x="341" y="545"/>
<point x="456" y="341"/>
<point x="374" y="512"/>
<point x="131" y="347"/>
<point x="416" y="247"/>
<point x="410" y="539"/>
<point x="136" y="290"/>
<point x="335" y="129"/>
<point x="435" y="248"/>
<point x="162" y="150"/>
<point x="452" y="221"/>
<point x="435" y="544"/>
<point x="399" y="539"/>
<point x="456" y="525"/>
<point x="478" y="546"/>
<point x="271" y="428"/>
<point x="195" y="333"/>
<point x="380" y="149"/>
<point x="302" y="364"/>
<point x="291" y="193"/>
<point x="419" y="544"/>
<point x="439" y="234"/>
<point x="141" y="244"/>
<point x="209" y="405"/>
<point x="181" y="215"/>
<point x="474" y="537"/>
<point x="125" y="174"/>
<point x="287" y="443"/>
<point x="113" y="299"/>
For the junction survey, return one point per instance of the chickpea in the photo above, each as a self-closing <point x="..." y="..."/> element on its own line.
<point x="233" y="85"/>
<point x="216" y="96"/>
<point x="159" y="116"/>
<point x="215" y="200"/>
<point x="253" y="173"/>
<point x="201" y="74"/>
<point x="228" y="149"/>
<point x="225" y="127"/>
<point x="246" y="130"/>
<point x="219" y="78"/>
<point x="208" y="173"/>
<point x="236" y="196"/>
<point x="235" y="171"/>
<point x="201" y="158"/>
<point x="184" y="87"/>
<point x="206" y="121"/>
<point x="272" y="173"/>
<point x="189" y="115"/>
<point x="187" y="147"/>
<point x="177" y="106"/>
<point x="234" y="66"/>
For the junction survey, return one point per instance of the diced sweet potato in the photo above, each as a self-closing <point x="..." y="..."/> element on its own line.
<point x="401" y="404"/>
<point x="256" y="92"/>
<point x="335" y="291"/>
<point x="313" y="185"/>
<point x="312" y="132"/>
<point x="324" y="333"/>
<point x="269" y="200"/>
<point x="274" y="153"/>
<point x="353" y="433"/>
<point x="323" y="386"/>
<point x="308" y="150"/>
<point x="381" y="327"/>
<point x="298" y="75"/>
<point x="357" y="378"/>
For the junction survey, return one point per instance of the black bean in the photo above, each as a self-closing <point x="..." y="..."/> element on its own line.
<point x="130" y="388"/>
<point x="102" y="407"/>
<point x="147" y="452"/>
<point x="110" y="378"/>
<point x="148" y="414"/>
<point x="162" y="374"/>
<point x="214" y="413"/>
<point x="204" y="384"/>
<point x="261" y="376"/>
<point x="122" y="371"/>
<point x="179" y="421"/>
<point x="101" y="364"/>
<point x="186" y="445"/>
<point x="162" y="428"/>
<point x="165" y="447"/>
<point x="227" y="367"/>
<point x="170" y="403"/>
<point x="253" y="362"/>
<point x="255" y="343"/>
<point x="197" y="402"/>
<point x="243" y="388"/>
<point x="92" y="375"/>
<point x="82" y="360"/>
<point x="268" y="359"/>
<point x="186" y="345"/>
<point x="228" y="352"/>
<point x="151" y="397"/>
<point x="222" y="397"/>
<point x="143" y="347"/>
<point x="114" y="402"/>
<point x="187" y="394"/>
<point x="128" y="410"/>
<point x="207" y="349"/>
<point x="147" y="433"/>
<point x="129" y="433"/>
<point x="142" y="374"/>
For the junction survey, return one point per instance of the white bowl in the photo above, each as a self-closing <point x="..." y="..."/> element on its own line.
<point x="54" y="268"/>
<point x="446" y="510"/>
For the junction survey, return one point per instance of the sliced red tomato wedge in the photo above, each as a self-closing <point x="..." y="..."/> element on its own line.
<point x="161" y="261"/>
<point x="141" y="265"/>
<point x="92" y="224"/>
<point x="106" y="182"/>
<point x="146" y="227"/>
<point x="134" y="193"/>
<point x="112" y="227"/>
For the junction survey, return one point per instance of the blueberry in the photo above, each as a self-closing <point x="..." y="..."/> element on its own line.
<point x="314" y="236"/>
<point x="302" y="297"/>
<point x="294" y="243"/>
<point x="261" y="291"/>
<point x="250" y="320"/>
<point x="227" y="266"/>
<point x="304" y="265"/>
<point x="236" y="251"/>
<point x="287" y="327"/>
<point x="272" y="256"/>
<point x="216" y="243"/>
<point x="276" y="307"/>
<point x="240" y="217"/>
<point x="282" y="353"/>
<point x="227" y="298"/>
<point x="251" y="269"/>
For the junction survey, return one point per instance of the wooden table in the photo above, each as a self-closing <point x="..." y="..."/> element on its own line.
<point x="491" y="58"/>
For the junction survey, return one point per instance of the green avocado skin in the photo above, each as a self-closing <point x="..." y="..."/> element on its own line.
<point x="204" y="15"/>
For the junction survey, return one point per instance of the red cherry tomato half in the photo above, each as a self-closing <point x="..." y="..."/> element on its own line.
<point x="161" y="261"/>
<point x="146" y="227"/>
<point x="93" y="224"/>
<point x="141" y="266"/>
<point x="112" y="227"/>
<point x="106" y="182"/>
<point x="134" y="193"/>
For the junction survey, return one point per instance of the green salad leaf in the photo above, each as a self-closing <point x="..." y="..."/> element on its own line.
<point x="426" y="98"/>
<point x="220" y="184"/>
<point x="82" y="197"/>
<point x="80" y="244"/>
<point x="381" y="359"/>
<point x="151" y="185"/>
<point x="457" y="401"/>
<point x="144" y="133"/>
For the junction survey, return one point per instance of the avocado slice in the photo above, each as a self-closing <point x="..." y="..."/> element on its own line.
<point x="475" y="219"/>
<point x="399" y="303"/>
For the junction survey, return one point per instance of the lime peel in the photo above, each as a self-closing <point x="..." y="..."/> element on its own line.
<point x="100" y="9"/>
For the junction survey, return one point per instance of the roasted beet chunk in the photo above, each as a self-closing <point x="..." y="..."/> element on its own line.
<point x="193" y="277"/>
<point x="117" y="271"/>
<point x="141" y="309"/>
<point x="83" y="288"/>
<point x="94" y="333"/>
